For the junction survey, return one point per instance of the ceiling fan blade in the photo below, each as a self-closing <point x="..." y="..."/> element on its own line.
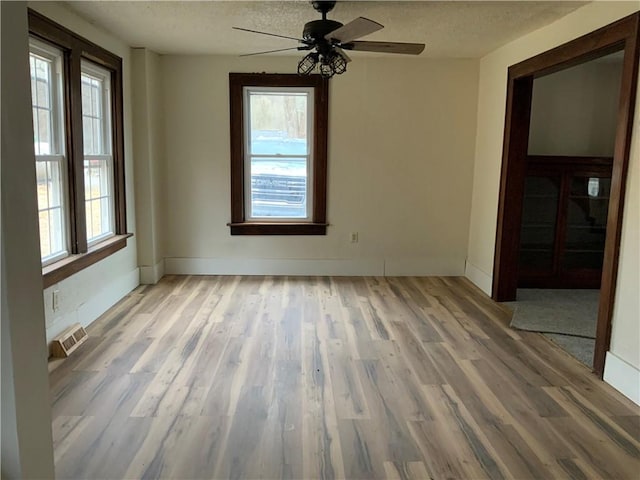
<point x="270" y="34"/>
<point x="355" y="29"/>
<point x="278" y="50"/>
<point x="343" y="53"/>
<point x="386" y="47"/>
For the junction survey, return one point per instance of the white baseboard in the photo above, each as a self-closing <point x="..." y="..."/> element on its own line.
<point x="424" y="266"/>
<point x="336" y="267"/>
<point x="150" y="275"/>
<point x="86" y="313"/>
<point x="478" y="277"/>
<point x="622" y="376"/>
<point x="270" y="266"/>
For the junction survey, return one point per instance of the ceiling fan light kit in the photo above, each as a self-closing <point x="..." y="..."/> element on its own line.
<point x="328" y="39"/>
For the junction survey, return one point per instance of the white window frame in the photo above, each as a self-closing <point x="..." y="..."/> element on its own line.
<point x="310" y="92"/>
<point x="55" y="56"/>
<point x="98" y="73"/>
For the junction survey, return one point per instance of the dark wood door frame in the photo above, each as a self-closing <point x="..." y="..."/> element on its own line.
<point x="623" y="35"/>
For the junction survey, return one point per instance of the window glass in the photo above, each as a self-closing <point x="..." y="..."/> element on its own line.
<point x="46" y="99"/>
<point x="279" y="122"/>
<point x="98" y="173"/>
<point x="98" y="198"/>
<point x="279" y="161"/>
<point x="95" y="120"/>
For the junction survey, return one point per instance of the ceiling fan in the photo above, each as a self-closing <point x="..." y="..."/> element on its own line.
<point x="328" y="40"/>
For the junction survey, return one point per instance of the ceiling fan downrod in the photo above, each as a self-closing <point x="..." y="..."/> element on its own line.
<point x="323" y="6"/>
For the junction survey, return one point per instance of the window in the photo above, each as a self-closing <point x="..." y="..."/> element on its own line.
<point x="278" y="160"/>
<point x="45" y="64"/>
<point x="98" y="171"/>
<point x="278" y="154"/>
<point x="78" y="140"/>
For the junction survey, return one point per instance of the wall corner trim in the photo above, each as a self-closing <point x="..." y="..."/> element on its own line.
<point x="151" y="274"/>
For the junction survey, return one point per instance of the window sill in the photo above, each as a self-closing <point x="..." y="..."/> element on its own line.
<point x="58" y="271"/>
<point x="265" y="228"/>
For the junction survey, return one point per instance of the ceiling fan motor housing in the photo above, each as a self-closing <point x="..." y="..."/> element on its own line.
<point x="315" y="30"/>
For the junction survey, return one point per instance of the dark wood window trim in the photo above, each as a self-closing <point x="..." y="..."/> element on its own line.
<point x="624" y="35"/>
<point x="238" y="224"/>
<point x="56" y="272"/>
<point x="76" y="48"/>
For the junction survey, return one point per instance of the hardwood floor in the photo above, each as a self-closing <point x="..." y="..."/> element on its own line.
<point x="318" y="377"/>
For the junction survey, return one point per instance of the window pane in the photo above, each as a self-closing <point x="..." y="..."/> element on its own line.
<point x="45" y="244"/>
<point x="88" y="136"/>
<point x="94" y="123"/>
<point x="50" y="206"/>
<point x="48" y="140"/>
<point x="94" y="182"/>
<point x="278" y="123"/>
<point x="96" y="96"/>
<point x="96" y="127"/>
<point x="34" y="92"/>
<point x="96" y="218"/>
<point x="43" y="92"/>
<point x="42" y="181"/>
<point x="99" y="198"/>
<point x="55" y="190"/>
<point x="42" y="69"/>
<point x="86" y="98"/>
<point x="105" y="214"/>
<point x="56" y="227"/>
<point x="44" y="132"/>
<point x="42" y="102"/>
<point x="279" y="187"/>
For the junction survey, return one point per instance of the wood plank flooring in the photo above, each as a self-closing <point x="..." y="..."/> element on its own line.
<point x="326" y="377"/>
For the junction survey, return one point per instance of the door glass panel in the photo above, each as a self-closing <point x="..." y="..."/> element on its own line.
<point x="539" y="212"/>
<point x="586" y="222"/>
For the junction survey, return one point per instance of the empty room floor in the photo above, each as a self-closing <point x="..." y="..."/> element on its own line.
<point x="330" y="377"/>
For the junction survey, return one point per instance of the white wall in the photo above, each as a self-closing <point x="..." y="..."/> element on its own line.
<point x="148" y="145"/>
<point x="89" y="293"/>
<point x="625" y="343"/>
<point x="400" y="160"/>
<point x="574" y="111"/>
<point x="622" y="368"/>
<point x="26" y="414"/>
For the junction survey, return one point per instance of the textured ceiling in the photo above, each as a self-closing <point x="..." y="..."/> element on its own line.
<point x="450" y="29"/>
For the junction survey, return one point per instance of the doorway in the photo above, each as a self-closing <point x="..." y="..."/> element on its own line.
<point x="568" y="175"/>
<point x="621" y="36"/>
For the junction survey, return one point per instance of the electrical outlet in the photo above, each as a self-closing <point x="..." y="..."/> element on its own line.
<point x="354" y="237"/>
<point x="55" y="300"/>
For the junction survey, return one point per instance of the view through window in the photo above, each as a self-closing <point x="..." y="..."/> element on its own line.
<point x="98" y="169"/>
<point x="45" y="64"/>
<point x="278" y="158"/>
